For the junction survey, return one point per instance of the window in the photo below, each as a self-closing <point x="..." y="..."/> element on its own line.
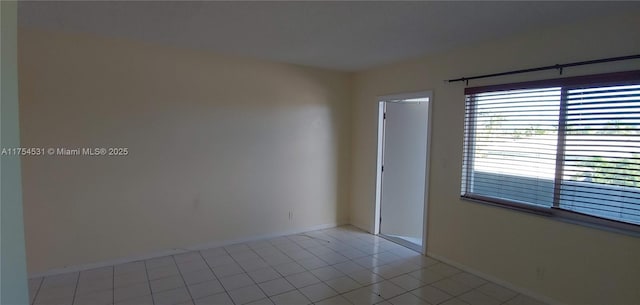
<point x="568" y="147"/>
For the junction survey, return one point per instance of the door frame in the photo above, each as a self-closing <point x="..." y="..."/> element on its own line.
<point x="378" y="197"/>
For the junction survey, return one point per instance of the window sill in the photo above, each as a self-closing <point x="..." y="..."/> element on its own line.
<point x="584" y="220"/>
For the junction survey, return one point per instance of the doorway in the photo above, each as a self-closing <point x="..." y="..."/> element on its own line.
<point x="403" y="151"/>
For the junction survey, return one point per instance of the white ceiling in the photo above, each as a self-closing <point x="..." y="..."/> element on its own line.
<point x="338" y="35"/>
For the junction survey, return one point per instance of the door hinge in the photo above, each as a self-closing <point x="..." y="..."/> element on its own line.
<point x="384" y="116"/>
<point x="382" y="169"/>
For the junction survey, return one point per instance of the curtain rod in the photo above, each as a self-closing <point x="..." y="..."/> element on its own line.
<point x="553" y="67"/>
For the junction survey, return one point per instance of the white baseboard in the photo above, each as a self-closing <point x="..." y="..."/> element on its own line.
<point x="175" y="251"/>
<point x="496" y="280"/>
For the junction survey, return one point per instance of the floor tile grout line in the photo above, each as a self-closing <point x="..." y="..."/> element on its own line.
<point x="285" y="276"/>
<point x="389" y="280"/>
<point x="285" y="254"/>
<point x="243" y="268"/>
<point x="309" y="270"/>
<point x="146" y="272"/>
<point x="75" y="290"/>
<point x="35" y="295"/>
<point x="482" y="292"/>
<point x="256" y="284"/>
<point x="408" y="291"/>
<point x="511" y="298"/>
<point x="219" y="278"/>
<point x="181" y="277"/>
<point x="214" y="275"/>
<point x="113" y="284"/>
<point x="452" y="296"/>
<point x="282" y="275"/>
<point x="306" y="270"/>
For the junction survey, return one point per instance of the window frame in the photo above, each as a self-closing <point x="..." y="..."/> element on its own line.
<point x="553" y="212"/>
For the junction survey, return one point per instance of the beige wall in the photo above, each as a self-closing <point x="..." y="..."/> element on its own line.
<point x="569" y="263"/>
<point x="220" y="148"/>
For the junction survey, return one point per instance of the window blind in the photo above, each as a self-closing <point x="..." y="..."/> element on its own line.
<point x="568" y="145"/>
<point x="601" y="174"/>
<point x="511" y="154"/>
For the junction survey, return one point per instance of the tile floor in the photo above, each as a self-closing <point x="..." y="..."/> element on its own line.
<point x="334" y="266"/>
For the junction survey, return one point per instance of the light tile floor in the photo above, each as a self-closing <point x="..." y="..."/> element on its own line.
<point x="334" y="266"/>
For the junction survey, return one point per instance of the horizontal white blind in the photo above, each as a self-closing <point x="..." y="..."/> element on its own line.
<point x="510" y="145"/>
<point x="601" y="174"/>
<point x="561" y="146"/>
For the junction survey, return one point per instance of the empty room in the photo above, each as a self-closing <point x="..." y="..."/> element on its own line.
<point x="312" y="152"/>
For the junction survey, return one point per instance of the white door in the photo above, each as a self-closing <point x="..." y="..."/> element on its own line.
<point x="403" y="171"/>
